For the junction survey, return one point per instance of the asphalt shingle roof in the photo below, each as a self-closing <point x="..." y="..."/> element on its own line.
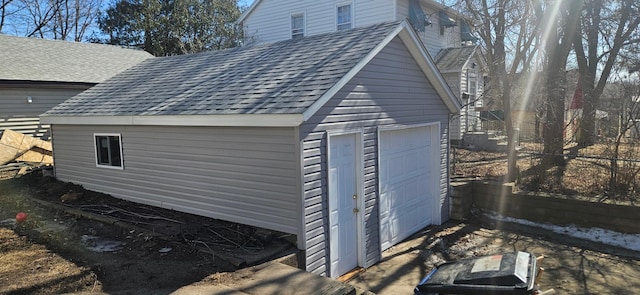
<point x="32" y="59"/>
<point x="453" y="59"/>
<point x="279" y="78"/>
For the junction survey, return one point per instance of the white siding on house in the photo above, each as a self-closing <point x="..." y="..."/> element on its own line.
<point x="468" y="119"/>
<point x="390" y="90"/>
<point x="244" y="175"/>
<point x="369" y="12"/>
<point x="270" y="20"/>
<point x="431" y="37"/>
<point x="18" y="114"/>
<point x="455" y="83"/>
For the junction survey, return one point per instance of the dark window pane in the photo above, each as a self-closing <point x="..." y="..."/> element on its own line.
<point x="114" y="142"/>
<point x="108" y="150"/>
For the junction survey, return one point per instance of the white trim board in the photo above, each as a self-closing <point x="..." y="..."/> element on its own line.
<point x="259" y="120"/>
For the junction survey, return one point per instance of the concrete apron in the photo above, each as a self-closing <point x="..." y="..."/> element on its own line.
<point x="273" y="278"/>
<point x="401" y="268"/>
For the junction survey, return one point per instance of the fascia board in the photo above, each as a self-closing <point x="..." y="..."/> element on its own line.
<point x="246" y="13"/>
<point x="428" y="67"/>
<point x="473" y="54"/>
<point x="261" y="120"/>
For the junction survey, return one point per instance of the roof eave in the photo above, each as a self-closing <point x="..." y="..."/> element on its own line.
<point x="10" y="83"/>
<point x="428" y="67"/>
<point x="349" y="75"/>
<point x="226" y="120"/>
<point x="471" y="56"/>
<point x="409" y="37"/>
<point x="244" y="15"/>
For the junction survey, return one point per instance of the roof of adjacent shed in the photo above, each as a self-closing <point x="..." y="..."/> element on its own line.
<point x="285" y="77"/>
<point x="453" y="59"/>
<point x="32" y="59"/>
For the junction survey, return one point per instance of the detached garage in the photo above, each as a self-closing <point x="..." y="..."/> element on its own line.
<point x="408" y="181"/>
<point x="339" y="139"/>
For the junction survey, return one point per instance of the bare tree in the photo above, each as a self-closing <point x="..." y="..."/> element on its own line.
<point x="561" y="20"/>
<point x="51" y="19"/>
<point x="623" y="151"/>
<point x="37" y="16"/>
<point x="73" y="18"/>
<point x="606" y="29"/>
<point x="4" y="10"/>
<point x="507" y="29"/>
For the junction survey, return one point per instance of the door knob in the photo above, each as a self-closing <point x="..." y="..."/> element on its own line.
<point x="356" y="210"/>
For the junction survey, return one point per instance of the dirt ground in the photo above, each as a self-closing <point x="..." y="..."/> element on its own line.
<point x="137" y="249"/>
<point x="572" y="266"/>
<point x="133" y="249"/>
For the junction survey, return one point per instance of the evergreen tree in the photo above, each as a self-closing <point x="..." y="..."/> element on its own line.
<point x="172" y="27"/>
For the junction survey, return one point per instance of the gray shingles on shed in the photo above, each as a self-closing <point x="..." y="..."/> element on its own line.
<point x="279" y="78"/>
<point x="32" y="59"/>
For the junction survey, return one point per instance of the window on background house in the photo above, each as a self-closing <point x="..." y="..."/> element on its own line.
<point x="108" y="150"/>
<point x="344" y="17"/>
<point x="297" y="25"/>
<point x="472" y="81"/>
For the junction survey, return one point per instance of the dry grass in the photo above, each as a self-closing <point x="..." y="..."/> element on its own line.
<point x="587" y="172"/>
<point x="30" y="268"/>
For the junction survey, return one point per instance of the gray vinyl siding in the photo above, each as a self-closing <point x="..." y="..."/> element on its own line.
<point x="19" y="115"/>
<point x="25" y="125"/>
<point x="390" y="90"/>
<point x="243" y="175"/>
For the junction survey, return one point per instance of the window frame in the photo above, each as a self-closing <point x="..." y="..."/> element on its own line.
<point x="351" y="22"/>
<point x="304" y="25"/>
<point x="472" y="82"/>
<point x="97" y="153"/>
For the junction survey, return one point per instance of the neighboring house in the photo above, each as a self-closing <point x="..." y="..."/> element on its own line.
<point x="462" y="67"/>
<point x="339" y="139"/>
<point x="445" y="33"/>
<point x="607" y="118"/>
<point x="37" y="74"/>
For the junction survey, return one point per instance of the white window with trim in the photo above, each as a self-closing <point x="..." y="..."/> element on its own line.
<point x="344" y="17"/>
<point x="108" y="148"/>
<point x="297" y="25"/>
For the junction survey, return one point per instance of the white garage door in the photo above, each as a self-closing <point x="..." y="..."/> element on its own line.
<point x="408" y="181"/>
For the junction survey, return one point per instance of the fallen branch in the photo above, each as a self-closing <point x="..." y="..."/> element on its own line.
<point x="228" y="240"/>
<point x="110" y="210"/>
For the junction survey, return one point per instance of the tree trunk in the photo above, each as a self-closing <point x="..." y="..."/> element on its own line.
<point x="587" y="132"/>
<point x="512" y="166"/>
<point x="554" y="120"/>
<point x="558" y="44"/>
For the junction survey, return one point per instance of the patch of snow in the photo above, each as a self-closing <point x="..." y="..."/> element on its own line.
<point x="100" y="245"/>
<point x="605" y="236"/>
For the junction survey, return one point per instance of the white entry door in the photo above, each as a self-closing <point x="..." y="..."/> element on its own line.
<point x="408" y="180"/>
<point x="343" y="203"/>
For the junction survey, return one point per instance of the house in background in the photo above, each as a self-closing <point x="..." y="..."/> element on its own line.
<point x="340" y="139"/>
<point x="464" y="69"/>
<point x="37" y="74"/>
<point x="445" y="33"/>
